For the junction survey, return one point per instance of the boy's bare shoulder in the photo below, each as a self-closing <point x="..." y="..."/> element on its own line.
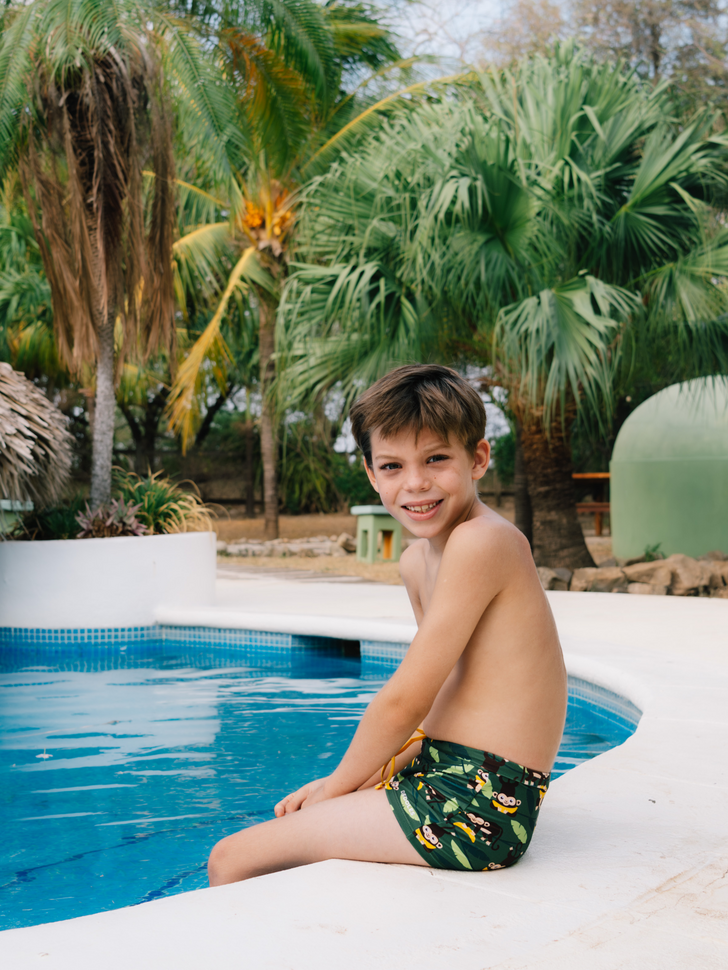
<point x="412" y="558"/>
<point x="487" y="538"/>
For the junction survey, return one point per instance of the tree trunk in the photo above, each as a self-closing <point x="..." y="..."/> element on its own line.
<point x="211" y="414"/>
<point x="249" y="476"/>
<point x="557" y="536"/>
<point x="524" y="513"/>
<point x="268" y="445"/>
<point x="104" y="413"/>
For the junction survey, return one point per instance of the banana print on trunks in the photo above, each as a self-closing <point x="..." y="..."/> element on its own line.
<point x="466" y="809"/>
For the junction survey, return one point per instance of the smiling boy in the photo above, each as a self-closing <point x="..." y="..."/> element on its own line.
<point x="469" y="724"/>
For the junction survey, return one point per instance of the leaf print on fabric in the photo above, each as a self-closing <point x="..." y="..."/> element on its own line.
<point x="520" y="832"/>
<point x="451" y="805"/>
<point x="434" y="754"/>
<point x="454" y="770"/>
<point x="407" y="806"/>
<point x="459" y="854"/>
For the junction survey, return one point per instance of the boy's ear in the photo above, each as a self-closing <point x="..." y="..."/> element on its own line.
<point x="481" y="459"/>
<point x="370" y="475"/>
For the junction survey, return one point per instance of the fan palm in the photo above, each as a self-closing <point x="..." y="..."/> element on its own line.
<point x="85" y="91"/>
<point x="529" y="224"/>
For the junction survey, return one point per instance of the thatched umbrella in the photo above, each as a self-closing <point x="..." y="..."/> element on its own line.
<point x="35" y="445"/>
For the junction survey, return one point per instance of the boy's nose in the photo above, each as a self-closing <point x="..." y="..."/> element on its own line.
<point x="418" y="480"/>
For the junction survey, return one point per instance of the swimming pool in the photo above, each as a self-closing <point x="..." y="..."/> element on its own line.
<point x="123" y="765"/>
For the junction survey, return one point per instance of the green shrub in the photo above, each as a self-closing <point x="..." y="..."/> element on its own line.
<point x="350" y="480"/>
<point x="162" y="505"/>
<point x="56" y="522"/>
<point x="504" y="458"/>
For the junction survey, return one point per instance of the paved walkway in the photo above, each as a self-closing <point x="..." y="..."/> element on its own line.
<point x="629" y="867"/>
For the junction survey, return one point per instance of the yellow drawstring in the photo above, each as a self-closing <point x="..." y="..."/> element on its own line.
<point x="417" y="736"/>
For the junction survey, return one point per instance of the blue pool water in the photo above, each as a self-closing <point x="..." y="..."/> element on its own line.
<point x="121" y="769"/>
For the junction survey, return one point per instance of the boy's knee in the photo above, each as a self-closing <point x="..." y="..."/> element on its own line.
<point x="218" y="865"/>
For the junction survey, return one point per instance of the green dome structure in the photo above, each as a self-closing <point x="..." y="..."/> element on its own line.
<point x="669" y="472"/>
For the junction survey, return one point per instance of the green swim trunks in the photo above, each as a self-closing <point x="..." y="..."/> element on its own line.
<point x="466" y="809"/>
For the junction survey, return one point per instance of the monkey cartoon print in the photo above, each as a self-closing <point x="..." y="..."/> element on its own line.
<point x="466" y="809"/>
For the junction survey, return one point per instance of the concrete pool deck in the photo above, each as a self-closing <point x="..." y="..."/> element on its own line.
<point x="628" y="869"/>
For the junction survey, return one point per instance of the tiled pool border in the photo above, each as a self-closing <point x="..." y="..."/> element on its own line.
<point x="374" y="653"/>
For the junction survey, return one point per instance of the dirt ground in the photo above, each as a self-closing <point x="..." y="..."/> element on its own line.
<point x="232" y="526"/>
<point x="236" y="527"/>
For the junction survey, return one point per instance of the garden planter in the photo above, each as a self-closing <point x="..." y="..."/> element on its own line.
<point x="120" y="582"/>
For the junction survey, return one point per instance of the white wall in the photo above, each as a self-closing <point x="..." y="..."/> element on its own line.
<point x="104" y="582"/>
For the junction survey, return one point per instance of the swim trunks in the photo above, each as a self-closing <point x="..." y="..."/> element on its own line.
<point x="466" y="809"/>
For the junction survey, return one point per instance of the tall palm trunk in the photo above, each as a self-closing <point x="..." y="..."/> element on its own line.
<point x="102" y="437"/>
<point x="249" y="472"/>
<point x="557" y="536"/>
<point x="104" y="413"/>
<point x="524" y="513"/>
<point x="268" y="444"/>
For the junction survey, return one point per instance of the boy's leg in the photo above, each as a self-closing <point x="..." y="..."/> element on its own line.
<point x="358" y="826"/>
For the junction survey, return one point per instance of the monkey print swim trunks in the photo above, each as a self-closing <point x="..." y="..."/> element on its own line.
<point x="466" y="809"/>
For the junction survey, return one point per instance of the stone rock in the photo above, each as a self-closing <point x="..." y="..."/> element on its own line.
<point x="597" y="580"/>
<point x="718" y="574"/>
<point x="720" y="594"/>
<point x="715" y="556"/>
<point x="346" y="542"/>
<point x="647" y="589"/>
<point x="550" y="578"/>
<point x="688" y="575"/>
<point x="655" y="573"/>
<point x="635" y="559"/>
<point x="607" y="562"/>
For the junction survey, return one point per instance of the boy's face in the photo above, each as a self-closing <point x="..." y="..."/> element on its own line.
<point x="427" y="483"/>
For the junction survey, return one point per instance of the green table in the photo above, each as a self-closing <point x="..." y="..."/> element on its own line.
<point x="372" y="522"/>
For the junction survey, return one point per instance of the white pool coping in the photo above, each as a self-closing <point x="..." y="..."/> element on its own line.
<point x="628" y="868"/>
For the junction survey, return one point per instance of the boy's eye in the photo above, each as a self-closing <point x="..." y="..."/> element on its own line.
<point x="389" y="466"/>
<point x="438" y="458"/>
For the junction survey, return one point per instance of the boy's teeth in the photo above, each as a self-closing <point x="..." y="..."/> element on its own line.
<point x="421" y="508"/>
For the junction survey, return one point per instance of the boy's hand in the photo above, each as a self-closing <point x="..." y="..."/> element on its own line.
<point x="307" y="795"/>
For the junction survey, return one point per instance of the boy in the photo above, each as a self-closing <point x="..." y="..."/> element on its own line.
<point x="484" y="673"/>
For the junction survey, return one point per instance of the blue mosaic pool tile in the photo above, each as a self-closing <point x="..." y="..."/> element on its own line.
<point x="382" y="653"/>
<point x="30" y="636"/>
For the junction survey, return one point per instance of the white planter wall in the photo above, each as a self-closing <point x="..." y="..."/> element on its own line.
<point x="104" y="582"/>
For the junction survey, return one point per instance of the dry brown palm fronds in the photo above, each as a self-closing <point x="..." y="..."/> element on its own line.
<point x="88" y="138"/>
<point x="35" y="444"/>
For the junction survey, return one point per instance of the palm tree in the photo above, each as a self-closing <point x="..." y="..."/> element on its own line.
<point x="288" y="63"/>
<point x="531" y="224"/>
<point x="85" y="104"/>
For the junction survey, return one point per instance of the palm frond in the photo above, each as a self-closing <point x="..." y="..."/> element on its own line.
<point x="184" y="400"/>
<point x="556" y="343"/>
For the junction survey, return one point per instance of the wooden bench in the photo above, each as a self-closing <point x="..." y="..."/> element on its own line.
<point x="597" y="509"/>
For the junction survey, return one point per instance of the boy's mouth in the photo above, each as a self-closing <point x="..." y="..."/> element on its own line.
<point x="422" y="510"/>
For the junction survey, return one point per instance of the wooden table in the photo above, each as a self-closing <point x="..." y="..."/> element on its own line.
<point x="597" y="508"/>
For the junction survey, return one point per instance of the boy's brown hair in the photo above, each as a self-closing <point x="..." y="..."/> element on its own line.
<point x="415" y="397"/>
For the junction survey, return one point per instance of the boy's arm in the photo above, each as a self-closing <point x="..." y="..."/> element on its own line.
<point x="476" y="564"/>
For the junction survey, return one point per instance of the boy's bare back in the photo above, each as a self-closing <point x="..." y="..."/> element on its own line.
<point x="507" y="690"/>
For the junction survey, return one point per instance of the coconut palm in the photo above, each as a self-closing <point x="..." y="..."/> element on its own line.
<point x="85" y="105"/>
<point x="530" y="226"/>
<point x="288" y="63"/>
